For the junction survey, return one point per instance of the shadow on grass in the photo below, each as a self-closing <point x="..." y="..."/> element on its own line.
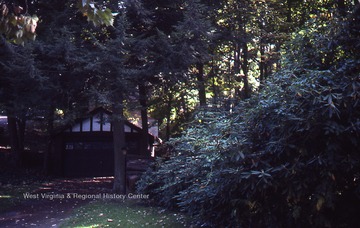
<point x="14" y="183"/>
<point x="16" y="210"/>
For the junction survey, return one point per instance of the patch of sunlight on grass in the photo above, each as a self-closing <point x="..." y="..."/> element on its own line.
<point x="5" y="197"/>
<point x="126" y="213"/>
<point x="91" y="226"/>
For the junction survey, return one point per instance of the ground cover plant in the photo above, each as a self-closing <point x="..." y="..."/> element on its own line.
<point x="127" y="213"/>
<point x="287" y="157"/>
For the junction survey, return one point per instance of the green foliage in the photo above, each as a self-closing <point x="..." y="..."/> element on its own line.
<point x="20" y="81"/>
<point x="95" y="14"/>
<point x="16" y="25"/>
<point x="19" y="26"/>
<point x="287" y="157"/>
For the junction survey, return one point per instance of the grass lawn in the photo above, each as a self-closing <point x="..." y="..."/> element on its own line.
<point x="126" y="213"/>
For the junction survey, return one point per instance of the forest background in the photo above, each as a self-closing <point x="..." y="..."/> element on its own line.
<point x="258" y="100"/>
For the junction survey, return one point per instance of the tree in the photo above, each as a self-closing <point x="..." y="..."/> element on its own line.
<point x="194" y="35"/>
<point x="139" y="63"/>
<point x="152" y="56"/>
<point x="110" y="85"/>
<point x="18" y="26"/>
<point x="19" y="93"/>
<point x="53" y="61"/>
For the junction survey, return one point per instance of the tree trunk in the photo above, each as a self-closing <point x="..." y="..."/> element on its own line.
<point x="119" y="148"/>
<point x="21" y="124"/>
<point x="278" y="61"/>
<point x="262" y="62"/>
<point x="184" y="103"/>
<point x="237" y="59"/>
<point x="201" y="84"/>
<point x="168" y="116"/>
<point x="245" y="68"/>
<point x="288" y="11"/>
<point x="237" y="75"/>
<point x="215" y="92"/>
<point x="262" y="46"/>
<point x="16" y="129"/>
<point x="144" y="119"/>
<point x="16" y="153"/>
<point x="50" y="129"/>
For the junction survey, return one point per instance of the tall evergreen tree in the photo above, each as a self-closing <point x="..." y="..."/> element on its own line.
<point x="194" y="35"/>
<point x="151" y="22"/>
<point x="110" y="85"/>
<point x="20" y="91"/>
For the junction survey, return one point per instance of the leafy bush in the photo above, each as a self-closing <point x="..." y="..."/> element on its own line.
<point x="189" y="160"/>
<point x="288" y="157"/>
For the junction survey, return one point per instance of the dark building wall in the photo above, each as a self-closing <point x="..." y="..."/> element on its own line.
<point x="88" y="154"/>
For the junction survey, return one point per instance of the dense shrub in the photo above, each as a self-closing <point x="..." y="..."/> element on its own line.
<point x="288" y="157"/>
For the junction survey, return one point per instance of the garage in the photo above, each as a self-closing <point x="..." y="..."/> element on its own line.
<point x="85" y="149"/>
